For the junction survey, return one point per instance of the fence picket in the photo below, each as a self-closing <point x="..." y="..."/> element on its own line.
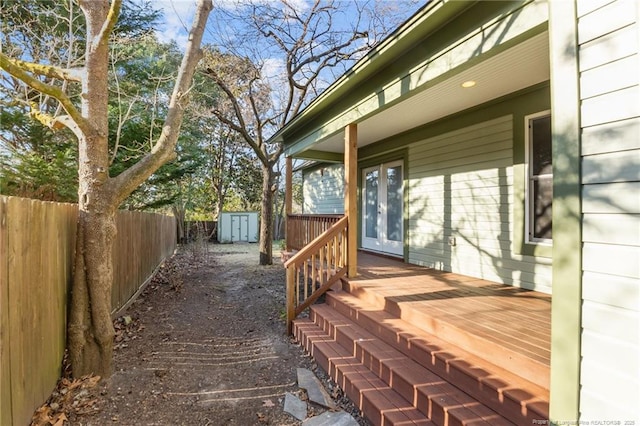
<point x="5" y="365"/>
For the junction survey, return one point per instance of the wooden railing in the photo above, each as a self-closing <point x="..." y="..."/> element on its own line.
<point x="304" y="228"/>
<point x="315" y="269"/>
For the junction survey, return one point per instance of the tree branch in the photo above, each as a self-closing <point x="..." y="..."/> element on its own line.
<point x="50" y="70"/>
<point x="9" y="65"/>
<point x="243" y="132"/>
<point x="109" y="24"/>
<point x="241" y="128"/>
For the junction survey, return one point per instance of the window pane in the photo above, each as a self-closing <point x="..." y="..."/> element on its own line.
<point x="542" y="199"/>
<point x="394" y="203"/>
<point x="371" y="204"/>
<point x="541" y="146"/>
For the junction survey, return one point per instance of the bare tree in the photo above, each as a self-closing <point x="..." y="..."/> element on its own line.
<point x="90" y="333"/>
<point x="277" y="58"/>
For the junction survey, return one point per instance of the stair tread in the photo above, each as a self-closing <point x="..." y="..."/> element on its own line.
<point x="527" y="356"/>
<point x="421" y="380"/>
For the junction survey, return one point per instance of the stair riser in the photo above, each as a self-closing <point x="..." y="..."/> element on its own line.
<point x="442" y="364"/>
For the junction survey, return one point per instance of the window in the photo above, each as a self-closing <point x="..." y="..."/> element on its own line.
<point x="539" y="178"/>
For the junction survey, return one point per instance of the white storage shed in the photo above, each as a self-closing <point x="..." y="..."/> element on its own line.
<point x="238" y="227"/>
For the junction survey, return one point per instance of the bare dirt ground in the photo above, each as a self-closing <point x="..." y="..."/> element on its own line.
<point x="203" y="345"/>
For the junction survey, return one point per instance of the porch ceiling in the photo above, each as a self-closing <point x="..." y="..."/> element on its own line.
<point x="516" y="68"/>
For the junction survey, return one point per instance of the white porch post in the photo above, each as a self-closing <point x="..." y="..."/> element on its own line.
<point x="350" y="195"/>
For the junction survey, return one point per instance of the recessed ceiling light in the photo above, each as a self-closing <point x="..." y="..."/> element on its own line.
<point x="468" y="83"/>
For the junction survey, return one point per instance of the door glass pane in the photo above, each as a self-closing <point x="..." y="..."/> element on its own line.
<point x="542" y="200"/>
<point x="394" y="203"/>
<point x="371" y="204"/>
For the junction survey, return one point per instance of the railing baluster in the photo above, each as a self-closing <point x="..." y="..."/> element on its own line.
<point x="298" y="272"/>
<point x="314" y="272"/>
<point x="305" y="277"/>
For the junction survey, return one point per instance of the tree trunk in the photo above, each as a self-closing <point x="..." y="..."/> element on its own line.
<point x="266" y="216"/>
<point x="90" y="328"/>
<point x="178" y="212"/>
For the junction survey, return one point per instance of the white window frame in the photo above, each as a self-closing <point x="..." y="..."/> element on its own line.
<point x="529" y="203"/>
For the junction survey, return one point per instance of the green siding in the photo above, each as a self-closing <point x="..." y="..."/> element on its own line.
<point x="461" y="185"/>
<point x="323" y="190"/>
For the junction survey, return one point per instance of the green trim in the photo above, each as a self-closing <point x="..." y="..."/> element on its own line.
<point x="370" y="161"/>
<point x="317" y="166"/>
<point x="566" y="305"/>
<point x="327" y="157"/>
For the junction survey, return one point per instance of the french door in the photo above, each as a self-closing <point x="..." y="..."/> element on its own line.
<point x="382" y="208"/>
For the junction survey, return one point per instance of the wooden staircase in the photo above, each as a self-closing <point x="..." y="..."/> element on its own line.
<point x="400" y="374"/>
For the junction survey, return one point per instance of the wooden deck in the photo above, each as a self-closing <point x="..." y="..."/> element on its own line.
<point x="505" y="325"/>
<point x="432" y="347"/>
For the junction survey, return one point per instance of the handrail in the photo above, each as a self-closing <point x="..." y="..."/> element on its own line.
<point x="315" y="269"/>
<point x="318" y="241"/>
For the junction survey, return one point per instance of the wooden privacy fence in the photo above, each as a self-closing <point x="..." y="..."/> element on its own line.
<point x="37" y="242"/>
<point x="143" y="241"/>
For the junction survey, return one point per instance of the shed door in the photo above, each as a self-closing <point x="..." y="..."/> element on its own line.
<point x="382" y="208"/>
<point x="239" y="227"/>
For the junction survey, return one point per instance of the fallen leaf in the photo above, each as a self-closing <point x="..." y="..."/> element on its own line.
<point x="60" y="420"/>
<point x="42" y="416"/>
<point x="268" y="403"/>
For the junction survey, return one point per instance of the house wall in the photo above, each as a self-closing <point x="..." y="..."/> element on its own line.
<point x="461" y="186"/>
<point x="323" y="189"/>
<point x="465" y="179"/>
<point x="608" y="37"/>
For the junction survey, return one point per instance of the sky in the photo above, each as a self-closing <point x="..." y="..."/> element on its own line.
<point x="177" y="18"/>
<point x="178" y="14"/>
